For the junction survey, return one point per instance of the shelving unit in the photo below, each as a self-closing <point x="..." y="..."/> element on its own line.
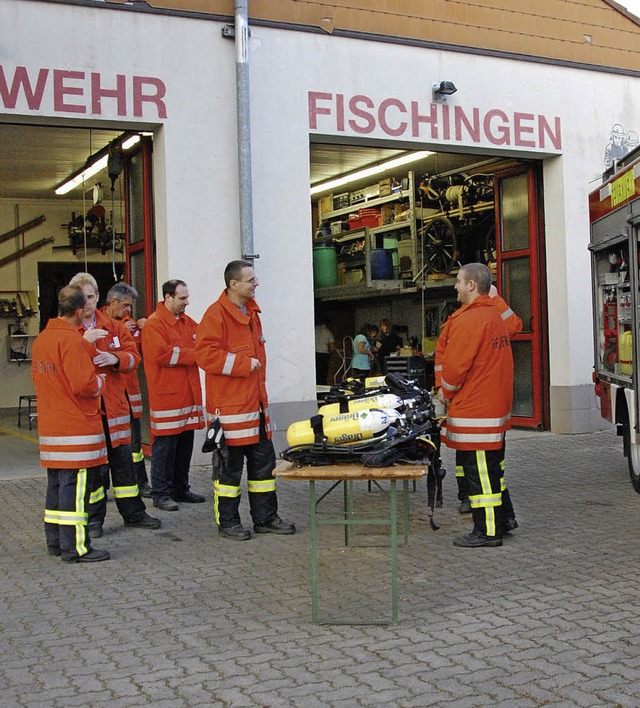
<point x="18" y="345"/>
<point x="354" y="247"/>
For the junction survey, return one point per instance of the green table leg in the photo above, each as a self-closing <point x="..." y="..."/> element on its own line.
<point x="394" y="552"/>
<point x="405" y="507"/>
<point x="314" y="551"/>
<point x="348" y="509"/>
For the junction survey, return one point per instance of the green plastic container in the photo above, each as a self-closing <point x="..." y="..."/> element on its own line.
<point x="325" y="266"/>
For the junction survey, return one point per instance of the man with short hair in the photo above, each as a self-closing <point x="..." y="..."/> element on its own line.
<point x="231" y="350"/>
<point x="72" y="442"/>
<point x="119" y="302"/>
<point x="477" y="386"/>
<point x="514" y="326"/>
<point x="115" y="355"/>
<point x="175" y="396"/>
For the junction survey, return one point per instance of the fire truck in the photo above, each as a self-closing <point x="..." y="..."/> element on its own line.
<point x="614" y="215"/>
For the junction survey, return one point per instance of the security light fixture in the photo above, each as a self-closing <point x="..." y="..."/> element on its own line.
<point x="442" y="89"/>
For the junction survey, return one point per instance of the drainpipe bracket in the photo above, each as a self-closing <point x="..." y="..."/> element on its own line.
<point x="229" y="32"/>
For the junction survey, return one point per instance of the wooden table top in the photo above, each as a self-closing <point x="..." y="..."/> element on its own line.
<point x="350" y="472"/>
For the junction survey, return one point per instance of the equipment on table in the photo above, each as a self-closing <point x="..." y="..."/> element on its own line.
<point x="393" y="423"/>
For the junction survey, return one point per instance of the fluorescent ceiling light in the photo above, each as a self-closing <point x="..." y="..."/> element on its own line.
<point x="86" y="174"/>
<point x="130" y="142"/>
<point x="101" y="160"/>
<point x="371" y="171"/>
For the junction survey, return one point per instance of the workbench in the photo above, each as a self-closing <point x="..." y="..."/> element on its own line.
<point x="347" y="474"/>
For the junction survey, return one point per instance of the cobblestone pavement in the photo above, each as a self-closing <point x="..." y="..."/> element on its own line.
<point x="181" y="617"/>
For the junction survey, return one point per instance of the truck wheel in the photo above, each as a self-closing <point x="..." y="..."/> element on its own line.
<point x="633" y="458"/>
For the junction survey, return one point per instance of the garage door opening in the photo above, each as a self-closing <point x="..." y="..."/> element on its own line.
<point x="390" y="231"/>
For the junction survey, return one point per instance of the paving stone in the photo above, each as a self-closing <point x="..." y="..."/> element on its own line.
<point x="181" y="617"/>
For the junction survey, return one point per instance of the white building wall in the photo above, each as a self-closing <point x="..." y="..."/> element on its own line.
<point x="195" y="163"/>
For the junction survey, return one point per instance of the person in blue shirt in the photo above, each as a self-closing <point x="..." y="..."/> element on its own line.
<point x="363" y="354"/>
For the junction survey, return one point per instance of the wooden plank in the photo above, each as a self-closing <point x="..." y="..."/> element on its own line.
<point x="351" y="472"/>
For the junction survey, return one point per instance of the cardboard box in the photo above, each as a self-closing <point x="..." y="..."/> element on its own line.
<point x="388" y="214"/>
<point x="385" y="187"/>
<point x="325" y="204"/>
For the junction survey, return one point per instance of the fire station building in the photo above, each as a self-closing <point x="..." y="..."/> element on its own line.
<point x="381" y="145"/>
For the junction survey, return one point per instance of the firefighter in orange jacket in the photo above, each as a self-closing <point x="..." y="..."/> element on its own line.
<point x="477" y="384"/>
<point x="72" y="443"/>
<point x="175" y="396"/>
<point x="116" y="354"/>
<point x="231" y="350"/>
<point x="120" y="299"/>
<point x="514" y="326"/>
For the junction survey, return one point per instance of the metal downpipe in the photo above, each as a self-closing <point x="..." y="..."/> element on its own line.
<point x="243" y="113"/>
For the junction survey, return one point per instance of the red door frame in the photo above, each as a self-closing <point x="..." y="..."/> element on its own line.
<point x="147" y="244"/>
<point x="537" y="336"/>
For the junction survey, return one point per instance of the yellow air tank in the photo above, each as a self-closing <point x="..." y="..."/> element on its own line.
<point x="343" y="428"/>
<point x="625" y="352"/>
<point x="381" y="400"/>
<point x="375" y="382"/>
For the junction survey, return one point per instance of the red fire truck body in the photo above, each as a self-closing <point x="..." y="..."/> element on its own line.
<point x="614" y="215"/>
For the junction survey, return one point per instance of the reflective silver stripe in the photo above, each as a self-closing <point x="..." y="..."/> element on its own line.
<point x="485" y="499"/>
<point x="118" y="421"/>
<point x="438" y="367"/>
<point x="225" y="490"/>
<point x="65" y="518"/>
<point x="261" y="485"/>
<point x="176" y="424"/>
<point x="245" y="433"/>
<point x="136" y="409"/>
<point x="126" y="492"/>
<point x="73" y="456"/>
<point x="175" y="412"/>
<point x="175" y="356"/>
<point x="471" y="437"/>
<point x="96" y="495"/>
<point x="228" y="364"/>
<point x="72" y="440"/>
<point x="132" y="362"/>
<point x="135" y="397"/>
<point x="506" y="314"/>
<point x="120" y="434"/>
<point x="240" y="418"/>
<point x="449" y="387"/>
<point x="100" y="386"/>
<point x="477" y="422"/>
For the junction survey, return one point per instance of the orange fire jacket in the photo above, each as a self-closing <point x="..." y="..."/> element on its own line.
<point x="477" y="377"/>
<point x="173" y="380"/>
<point x="114" y="400"/>
<point x="131" y="382"/>
<point x="514" y="326"/>
<point x="226" y="341"/>
<point x="68" y="399"/>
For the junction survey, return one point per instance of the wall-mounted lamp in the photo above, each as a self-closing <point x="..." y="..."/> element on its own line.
<point x="442" y="89"/>
<point x="95" y="164"/>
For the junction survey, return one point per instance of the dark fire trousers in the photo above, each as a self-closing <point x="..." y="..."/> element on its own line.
<point x="482" y="473"/>
<point x="65" y="514"/>
<point x="123" y="481"/>
<point x="261" y="484"/>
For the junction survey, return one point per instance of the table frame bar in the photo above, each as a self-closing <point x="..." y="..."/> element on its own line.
<point x="347" y="521"/>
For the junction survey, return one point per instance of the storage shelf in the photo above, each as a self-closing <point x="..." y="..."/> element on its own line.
<point x="396" y="226"/>
<point x="353" y="208"/>
<point x="352" y="236"/>
<point x="19" y="344"/>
